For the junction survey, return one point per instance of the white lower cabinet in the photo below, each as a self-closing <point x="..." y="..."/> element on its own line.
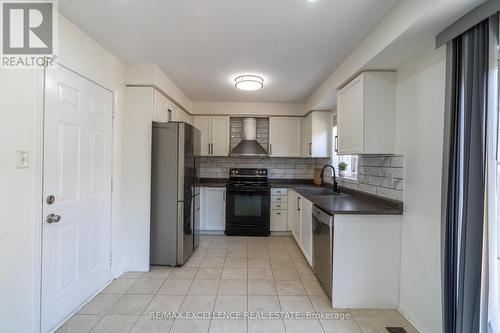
<point x="279" y="220"/>
<point x="279" y="211"/>
<point x="213" y="209"/>
<point x="294" y="215"/>
<point x="306" y="228"/>
<point x="300" y="212"/>
<point x="366" y="261"/>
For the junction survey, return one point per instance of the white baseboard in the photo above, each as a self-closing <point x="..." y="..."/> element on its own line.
<point x="414" y="321"/>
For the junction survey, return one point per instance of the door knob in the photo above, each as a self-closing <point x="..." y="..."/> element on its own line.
<point x="52" y="218"/>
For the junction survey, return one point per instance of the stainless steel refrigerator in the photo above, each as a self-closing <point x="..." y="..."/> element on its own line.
<point x="175" y="193"/>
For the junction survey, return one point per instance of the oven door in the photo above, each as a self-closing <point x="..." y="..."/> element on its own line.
<point x="246" y="210"/>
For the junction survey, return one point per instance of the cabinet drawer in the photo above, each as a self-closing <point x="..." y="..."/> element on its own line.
<point x="279" y="205"/>
<point x="279" y="191"/>
<point x="279" y="198"/>
<point x="279" y="220"/>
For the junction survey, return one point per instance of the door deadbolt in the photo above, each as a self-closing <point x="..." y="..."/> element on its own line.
<point x="51" y="199"/>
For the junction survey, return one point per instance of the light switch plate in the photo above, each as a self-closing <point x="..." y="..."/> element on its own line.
<point x="22" y="159"/>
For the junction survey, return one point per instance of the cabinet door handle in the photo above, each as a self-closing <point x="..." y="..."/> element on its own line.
<point x="298" y="204"/>
<point x="310" y="148"/>
<point x="209" y="149"/>
<point x="278" y="213"/>
<point x="224" y="196"/>
<point x="336" y="143"/>
<point x="270" y="149"/>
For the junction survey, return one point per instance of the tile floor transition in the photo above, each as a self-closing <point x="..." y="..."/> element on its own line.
<point x="264" y="276"/>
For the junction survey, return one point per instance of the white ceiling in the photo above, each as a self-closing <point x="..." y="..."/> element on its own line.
<point x="202" y="44"/>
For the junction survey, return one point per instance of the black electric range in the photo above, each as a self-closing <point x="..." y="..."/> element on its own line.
<point x="248" y="202"/>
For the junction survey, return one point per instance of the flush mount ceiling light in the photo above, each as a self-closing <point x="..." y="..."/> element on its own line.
<point x="248" y="82"/>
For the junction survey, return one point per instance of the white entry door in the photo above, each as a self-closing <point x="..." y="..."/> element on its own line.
<point x="77" y="193"/>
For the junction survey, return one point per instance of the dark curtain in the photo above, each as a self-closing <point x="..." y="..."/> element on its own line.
<point x="465" y="151"/>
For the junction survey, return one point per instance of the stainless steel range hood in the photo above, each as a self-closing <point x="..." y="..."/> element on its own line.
<point x="249" y="145"/>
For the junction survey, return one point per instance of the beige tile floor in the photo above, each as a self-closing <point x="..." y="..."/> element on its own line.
<point x="264" y="276"/>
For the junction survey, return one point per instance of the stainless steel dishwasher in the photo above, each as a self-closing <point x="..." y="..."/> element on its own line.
<point x="322" y="225"/>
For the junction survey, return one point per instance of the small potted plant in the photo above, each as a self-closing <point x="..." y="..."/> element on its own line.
<point x="342" y="168"/>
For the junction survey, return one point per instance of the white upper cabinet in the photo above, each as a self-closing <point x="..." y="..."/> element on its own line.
<point x="220" y="136"/>
<point x="366" y="114"/>
<point x="317" y="134"/>
<point x="165" y="110"/>
<point x="203" y="123"/>
<point x="214" y="134"/>
<point x="177" y="114"/>
<point x="160" y="107"/>
<point x="306" y="136"/>
<point x="284" y="136"/>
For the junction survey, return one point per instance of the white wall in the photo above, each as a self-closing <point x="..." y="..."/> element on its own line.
<point x="266" y="109"/>
<point x="419" y="136"/>
<point x="21" y="108"/>
<point x="20" y="112"/>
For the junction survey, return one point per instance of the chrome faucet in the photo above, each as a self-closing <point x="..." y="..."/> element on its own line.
<point x="335" y="184"/>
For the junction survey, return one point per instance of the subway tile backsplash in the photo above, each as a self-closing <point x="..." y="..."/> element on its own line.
<point x="278" y="167"/>
<point x="379" y="175"/>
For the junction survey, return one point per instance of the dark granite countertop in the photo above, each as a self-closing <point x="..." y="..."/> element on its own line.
<point x="213" y="182"/>
<point x="351" y="202"/>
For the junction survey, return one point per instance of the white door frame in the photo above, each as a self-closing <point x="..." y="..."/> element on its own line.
<point x="38" y="217"/>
